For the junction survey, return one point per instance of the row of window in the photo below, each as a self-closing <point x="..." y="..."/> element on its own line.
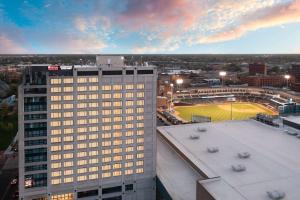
<point x="106" y="104"/>
<point x="94" y="129"/>
<point x="56" y="181"/>
<point x="96" y="120"/>
<point x="90" y="144"/>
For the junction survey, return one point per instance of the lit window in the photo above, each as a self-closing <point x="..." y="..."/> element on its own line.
<point x="117" y="126"/>
<point x="93" y="88"/>
<point x="68" y="80"/>
<point x="140" y="94"/>
<point x="81" y="145"/>
<point x="55" y="165"/>
<point x="117" y="95"/>
<point x="93" y="105"/>
<point x="106" y="87"/>
<point x="128" y="164"/>
<point x="140" y="148"/>
<point x="93" y="153"/>
<point x="68" y="172"/>
<point x="140" y="110"/>
<point x="93" y="113"/>
<point x="117" y="134"/>
<point x="55" y="81"/>
<point x="129" y="87"/>
<point x="129" y="95"/>
<point x="55" y="139"/>
<point x="129" y="110"/>
<point x="68" y="155"/>
<point x="140" y="132"/>
<point x="106" y="119"/>
<point x="106" y="175"/>
<point x="140" y="155"/>
<point x="82" y="113"/>
<point x="93" y="128"/>
<point x="117" y="166"/>
<point x="81" y="80"/>
<point x="117" y="111"/>
<point x="55" y="123"/>
<point x="106" y="159"/>
<point x="55" y="182"/>
<point x="93" y="79"/>
<point x="129" y="133"/>
<point x="106" y="128"/>
<point x="117" y="142"/>
<point x="93" y="169"/>
<point x="129" y="126"/>
<point x="68" y="147"/>
<point x="68" y="97"/>
<point x="81" y="154"/>
<point x="55" y="157"/>
<point x="55" y="115"/>
<point x="106" y="151"/>
<point x="56" y="174"/>
<point x="68" y="114"/>
<point x="55" y="148"/>
<point x="106" y="104"/>
<point x="82" y="130"/>
<point x="106" y="96"/>
<point x="81" y="170"/>
<point x="68" y="130"/>
<point x="140" y="125"/>
<point x="93" y="161"/>
<point x="117" y="173"/>
<point x="106" y="143"/>
<point x="117" y="150"/>
<point x="81" y="162"/>
<point x="81" y="105"/>
<point x="55" y="98"/>
<point x="106" y="167"/>
<point x="81" y="178"/>
<point x="129" y="149"/>
<point x="141" y="117"/>
<point x="139" y="163"/>
<point x="55" y="89"/>
<point x="106" y="135"/>
<point x="68" y="123"/>
<point x="129" y="157"/>
<point x="140" y="140"/>
<point x="81" y="88"/>
<point x="129" y="118"/>
<point x="128" y="171"/>
<point x="139" y="170"/>
<point x="68" y="89"/>
<point x="117" y="103"/>
<point x="55" y="106"/>
<point x="129" y="103"/>
<point x="117" y="87"/>
<point x="129" y="141"/>
<point x="93" y="136"/>
<point x="68" y="106"/>
<point x="117" y="158"/>
<point x="140" y="102"/>
<point x="68" y="180"/>
<point x="93" y="96"/>
<point x="55" y="132"/>
<point x="68" y="138"/>
<point x="93" y="121"/>
<point x="140" y="86"/>
<point x="93" y="176"/>
<point x="81" y="97"/>
<point x="93" y="144"/>
<point x="82" y="121"/>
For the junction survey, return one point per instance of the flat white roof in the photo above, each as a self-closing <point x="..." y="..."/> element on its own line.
<point x="295" y="119"/>
<point x="274" y="163"/>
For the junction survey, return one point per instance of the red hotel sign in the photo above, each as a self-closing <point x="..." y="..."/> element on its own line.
<point x="53" y="68"/>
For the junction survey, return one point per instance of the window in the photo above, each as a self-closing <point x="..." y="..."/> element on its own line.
<point x="140" y="170"/>
<point x="106" y="119"/>
<point x="140" y="148"/>
<point x="117" y="111"/>
<point x="68" y="123"/>
<point x="106" y="175"/>
<point x="117" y="173"/>
<point x="117" y="166"/>
<point x="93" y="169"/>
<point x="93" y="136"/>
<point x="81" y="170"/>
<point x="68" y="106"/>
<point x="68" y="97"/>
<point x="68" y="80"/>
<point x="55" y="132"/>
<point x="129" y="87"/>
<point x="56" y="157"/>
<point x="117" y="142"/>
<point x="128" y="164"/>
<point x="55" y="89"/>
<point x="117" y="126"/>
<point x="93" y="121"/>
<point x="129" y="157"/>
<point x="81" y="80"/>
<point x="129" y="95"/>
<point x="106" y="159"/>
<point x="117" y="95"/>
<point x="140" y="132"/>
<point x="139" y="163"/>
<point x="106" y="151"/>
<point x="106" y="167"/>
<point x="140" y="110"/>
<point x="81" y="145"/>
<point x="55" y="182"/>
<point x="140" y="86"/>
<point x="129" y="110"/>
<point x="140" y="102"/>
<point x="129" y="118"/>
<point x="106" y="143"/>
<point x="117" y="158"/>
<point x="106" y="128"/>
<point x="68" y="172"/>
<point x="129" y="149"/>
<point x="55" y="139"/>
<point x="56" y="174"/>
<point x="55" y="165"/>
<point x="106" y="87"/>
<point x="93" y="105"/>
<point x="68" y="155"/>
<point x="81" y="105"/>
<point x="106" y="135"/>
<point x="129" y="103"/>
<point x="68" y="147"/>
<point x="68" y="114"/>
<point x="117" y="87"/>
<point x="93" y="80"/>
<point x="140" y="155"/>
<point x="140" y="94"/>
<point x="112" y="190"/>
<point x="117" y="150"/>
<point x="93" y="144"/>
<point x="55" y="98"/>
<point x="55" y="81"/>
<point x="106" y="112"/>
<point x="93" y="113"/>
<point x="106" y="104"/>
<point x="68" y="89"/>
<point x="93" y="153"/>
<point x="68" y="180"/>
<point x="93" y="176"/>
<point x="129" y="133"/>
<point x="106" y="96"/>
<point x="68" y="196"/>
<point x="55" y="106"/>
<point x="128" y="171"/>
<point x="81" y="97"/>
<point x="93" y="96"/>
<point x="129" y="187"/>
<point x="93" y="161"/>
<point x="93" y="128"/>
<point x="68" y="130"/>
<point x="82" y="162"/>
<point x="81" y="178"/>
<point x="82" y="130"/>
<point x="140" y="140"/>
<point x="81" y="154"/>
<point x="55" y="115"/>
<point x="140" y="125"/>
<point x="82" y="121"/>
<point x="55" y="123"/>
<point x="129" y="141"/>
<point x="117" y="134"/>
<point x="82" y="113"/>
<point x="117" y="103"/>
<point x="141" y="117"/>
<point x="82" y="88"/>
<point x="68" y="138"/>
<point x="129" y="126"/>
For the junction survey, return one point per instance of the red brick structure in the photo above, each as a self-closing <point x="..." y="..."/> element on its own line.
<point x="257" y="68"/>
<point x="261" y="81"/>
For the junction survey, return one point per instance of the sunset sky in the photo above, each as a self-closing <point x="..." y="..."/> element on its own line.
<point x="150" y="26"/>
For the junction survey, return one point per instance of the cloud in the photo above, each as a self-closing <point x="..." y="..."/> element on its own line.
<point x="9" y="46"/>
<point x="278" y="15"/>
<point x="166" y="46"/>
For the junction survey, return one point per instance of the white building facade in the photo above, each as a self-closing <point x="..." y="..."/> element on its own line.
<point x="100" y="140"/>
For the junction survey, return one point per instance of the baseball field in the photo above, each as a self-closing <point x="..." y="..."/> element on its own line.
<point x="222" y="112"/>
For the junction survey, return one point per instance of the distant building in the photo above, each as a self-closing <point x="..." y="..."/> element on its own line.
<point x="263" y="81"/>
<point x="295" y="72"/>
<point x="236" y="160"/>
<point x="88" y="132"/>
<point x="257" y="68"/>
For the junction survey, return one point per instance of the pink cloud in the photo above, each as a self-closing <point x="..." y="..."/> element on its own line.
<point x="282" y="14"/>
<point x="9" y="46"/>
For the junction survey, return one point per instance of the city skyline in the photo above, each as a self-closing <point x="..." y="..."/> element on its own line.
<point x="159" y="26"/>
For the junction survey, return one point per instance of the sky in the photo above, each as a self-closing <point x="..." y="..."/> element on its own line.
<point x="149" y="26"/>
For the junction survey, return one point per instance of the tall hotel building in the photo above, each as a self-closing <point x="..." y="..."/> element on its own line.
<point x="88" y="132"/>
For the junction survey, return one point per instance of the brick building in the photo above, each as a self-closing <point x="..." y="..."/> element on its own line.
<point x="257" y="68"/>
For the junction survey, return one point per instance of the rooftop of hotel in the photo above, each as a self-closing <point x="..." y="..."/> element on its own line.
<point x="213" y="148"/>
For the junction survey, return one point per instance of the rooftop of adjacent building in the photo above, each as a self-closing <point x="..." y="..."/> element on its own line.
<point x="273" y="163"/>
<point x="292" y="118"/>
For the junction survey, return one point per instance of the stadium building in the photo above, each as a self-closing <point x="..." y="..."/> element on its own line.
<point x="88" y="132"/>
<point x="235" y="160"/>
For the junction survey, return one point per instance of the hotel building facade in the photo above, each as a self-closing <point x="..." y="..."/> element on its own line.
<point x="88" y="132"/>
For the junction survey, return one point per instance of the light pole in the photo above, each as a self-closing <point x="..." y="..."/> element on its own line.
<point x="179" y="82"/>
<point x="171" y="102"/>
<point x="222" y="74"/>
<point x="287" y="77"/>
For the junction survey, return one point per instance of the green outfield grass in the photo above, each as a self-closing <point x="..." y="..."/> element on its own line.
<point x="222" y="112"/>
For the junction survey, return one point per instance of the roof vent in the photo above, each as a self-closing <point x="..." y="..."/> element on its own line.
<point x="194" y="137"/>
<point x="238" y="168"/>
<point x="212" y="149"/>
<point x="276" y="195"/>
<point x="244" y="155"/>
<point x="200" y="129"/>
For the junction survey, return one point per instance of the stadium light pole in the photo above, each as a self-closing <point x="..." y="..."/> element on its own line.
<point x="287" y="77"/>
<point x="172" y="86"/>
<point x="179" y="82"/>
<point x="222" y="74"/>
